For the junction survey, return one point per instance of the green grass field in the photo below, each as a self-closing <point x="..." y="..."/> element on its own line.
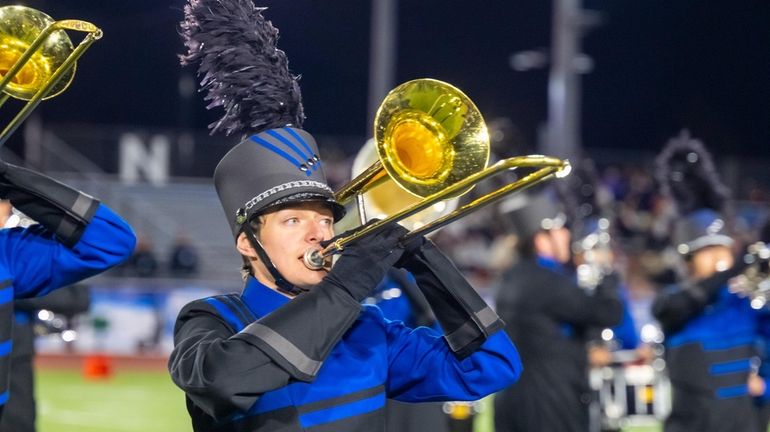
<point x="126" y="402"/>
<point x="136" y="401"/>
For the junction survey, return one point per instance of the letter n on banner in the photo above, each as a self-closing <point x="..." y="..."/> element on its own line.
<point x="140" y="160"/>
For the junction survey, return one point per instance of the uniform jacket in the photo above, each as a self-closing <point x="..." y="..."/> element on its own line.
<point x="546" y="314"/>
<point x="33" y="263"/>
<point x="232" y="385"/>
<point x="20" y="412"/>
<point x="399" y="299"/>
<point x="709" y="359"/>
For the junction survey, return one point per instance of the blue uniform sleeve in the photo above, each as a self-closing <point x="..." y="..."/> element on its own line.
<point x="38" y="263"/>
<point x="422" y="367"/>
<point x="625" y="331"/>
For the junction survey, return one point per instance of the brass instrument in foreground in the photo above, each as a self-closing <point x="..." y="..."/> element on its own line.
<point x="433" y="142"/>
<point x="37" y="59"/>
<point x="388" y="197"/>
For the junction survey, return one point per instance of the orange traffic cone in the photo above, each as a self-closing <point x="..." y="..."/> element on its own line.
<point x="97" y="366"/>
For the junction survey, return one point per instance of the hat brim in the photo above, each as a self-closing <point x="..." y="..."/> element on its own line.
<point x="704" y="242"/>
<point x="338" y="210"/>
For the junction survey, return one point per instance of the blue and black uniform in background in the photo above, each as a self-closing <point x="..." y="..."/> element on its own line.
<point x="711" y="337"/>
<point x="67" y="302"/>
<point x="76" y="237"/>
<point x="548" y="317"/>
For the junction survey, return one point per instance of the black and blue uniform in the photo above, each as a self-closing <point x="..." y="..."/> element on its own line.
<point x="34" y="261"/>
<point x="549" y="317"/>
<point x="233" y="383"/>
<point x="20" y="413"/>
<point x="711" y="337"/>
<point x="399" y="299"/>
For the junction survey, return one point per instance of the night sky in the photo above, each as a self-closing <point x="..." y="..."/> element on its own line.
<point x="659" y="66"/>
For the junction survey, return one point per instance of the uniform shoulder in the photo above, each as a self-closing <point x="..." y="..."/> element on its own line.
<point x="207" y="304"/>
<point x="219" y="307"/>
<point x="525" y="270"/>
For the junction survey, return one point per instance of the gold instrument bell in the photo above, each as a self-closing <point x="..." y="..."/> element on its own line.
<point x="432" y="141"/>
<point x="37" y="58"/>
<point x="389" y="197"/>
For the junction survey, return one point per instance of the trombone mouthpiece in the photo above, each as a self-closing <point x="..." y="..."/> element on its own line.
<point x="314" y="260"/>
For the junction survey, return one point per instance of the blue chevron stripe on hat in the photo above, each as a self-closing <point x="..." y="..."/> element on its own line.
<point x="267" y="169"/>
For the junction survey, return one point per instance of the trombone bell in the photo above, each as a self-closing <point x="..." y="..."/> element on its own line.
<point x="37" y="59"/>
<point x="388" y="197"/>
<point x="19" y="27"/>
<point x="429" y="135"/>
<point x="432" y="141"/>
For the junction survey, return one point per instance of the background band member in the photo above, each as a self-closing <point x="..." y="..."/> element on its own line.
<point x="710" y="333"/>
<point x="296" y="350"/>
<point x="547" y="316"/>
<point x="758" y="381"/>
<point x="76" y="237"/>
<point x="67" y="302"/>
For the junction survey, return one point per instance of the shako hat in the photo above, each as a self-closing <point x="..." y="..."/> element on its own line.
<point x="274" y="167"/>
<point x="244" y="73"/>
<point x="699" y="229"/>
<point x="529" y="214"/>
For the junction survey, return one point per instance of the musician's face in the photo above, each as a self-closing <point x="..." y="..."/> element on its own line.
<point x="285" y="235"/>
<point x="554" y="244"/>
<point x="709" y="260"/>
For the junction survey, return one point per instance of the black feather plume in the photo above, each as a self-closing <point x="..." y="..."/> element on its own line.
<point x="685" y="172"/>
<point x="241" y="68"/>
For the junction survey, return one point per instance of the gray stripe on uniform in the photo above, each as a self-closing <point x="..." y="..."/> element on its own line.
<point x="487" y="316"/>
<point x="286" y="349"/>
<point x="82" y="204"/>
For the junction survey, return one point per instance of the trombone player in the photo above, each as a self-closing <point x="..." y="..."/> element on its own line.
<point x="296" y="350"/>
<point x="75" y="237"/>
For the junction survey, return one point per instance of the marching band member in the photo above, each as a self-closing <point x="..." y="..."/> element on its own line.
<point x="710" y="333"/>
<point x="76" y="237"/>
<point x="547" y="315"/>
<point x="296" y="349"/>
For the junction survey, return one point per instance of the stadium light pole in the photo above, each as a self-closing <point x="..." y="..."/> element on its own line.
<point x="569" y="23"/>
<point x="382" y="54"/>
<point x="563" y="130"/>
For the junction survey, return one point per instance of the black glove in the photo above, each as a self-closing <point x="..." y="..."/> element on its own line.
<point x="363" y="264"/>
<point x="332" y="307"/>
<point x="466" y="319"/>
<point x="59" y="208"/>
<point x="704" y="290"/>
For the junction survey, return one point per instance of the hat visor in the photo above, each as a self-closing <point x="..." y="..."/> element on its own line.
<point x="338" y="210"/>
<point x="706" y="241"/>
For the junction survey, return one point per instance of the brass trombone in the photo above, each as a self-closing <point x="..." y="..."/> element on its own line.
<point x="37" y="59"/>
<point x="432" y="141"/>
<point x="388" y="197"/>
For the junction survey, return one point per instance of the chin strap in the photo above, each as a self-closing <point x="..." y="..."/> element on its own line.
<point x="283" y="285"/>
